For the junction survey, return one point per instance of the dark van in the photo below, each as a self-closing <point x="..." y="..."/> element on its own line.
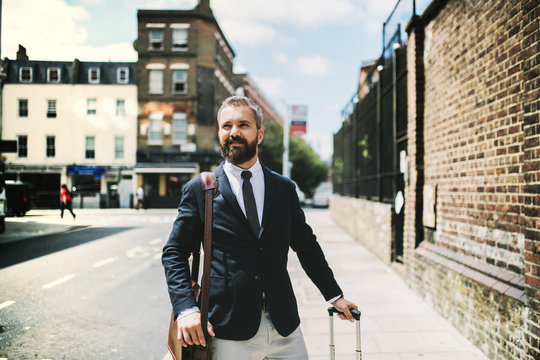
<point x="19" y="198"/>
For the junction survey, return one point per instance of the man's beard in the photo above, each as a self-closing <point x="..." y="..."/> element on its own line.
<point x="239" y="154"/>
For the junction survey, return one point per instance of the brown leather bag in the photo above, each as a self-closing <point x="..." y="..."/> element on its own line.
<point x="194" y="352"/>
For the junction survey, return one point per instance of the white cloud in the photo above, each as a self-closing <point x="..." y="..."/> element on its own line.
<point x="54" y="33"/>
<point x="254" y="22"/>
<point x="247" y="32"/>
<point x="55" y="22"/>
<point x="313" y="66"/>
<point x="270" y="86"/>
<point x="280" y="58"/>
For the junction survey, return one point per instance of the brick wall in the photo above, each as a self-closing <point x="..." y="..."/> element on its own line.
<point x="474" y="135"/>
<point x="370" y="222"/>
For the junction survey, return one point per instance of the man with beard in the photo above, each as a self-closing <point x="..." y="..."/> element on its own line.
<point x="253" y="312"/>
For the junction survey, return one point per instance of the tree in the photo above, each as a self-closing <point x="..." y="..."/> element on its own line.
<point x="308" y="170"/>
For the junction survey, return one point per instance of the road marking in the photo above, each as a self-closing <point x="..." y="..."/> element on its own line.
<point x="157" y="256"/>
<point x="59" y="281"/>
<point x="137" y="252"/>
<point x="155" y="241"/>
<point x="5" y="304"/>
<point x="105" y="261"/>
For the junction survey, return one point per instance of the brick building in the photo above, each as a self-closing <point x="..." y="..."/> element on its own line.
<point x="472" y="178"/>
<point x="184" y="72"/>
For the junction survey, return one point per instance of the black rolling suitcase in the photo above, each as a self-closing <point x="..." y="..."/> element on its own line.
<point x="356" y="314"/>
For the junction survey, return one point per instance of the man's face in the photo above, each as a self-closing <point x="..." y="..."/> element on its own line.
<point x="238" y="135"/>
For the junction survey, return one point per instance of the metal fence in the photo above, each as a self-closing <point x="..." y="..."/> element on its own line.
<point x="374" y="130"/>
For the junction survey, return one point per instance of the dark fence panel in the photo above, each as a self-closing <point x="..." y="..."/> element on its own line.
<point x="366" y="155"/>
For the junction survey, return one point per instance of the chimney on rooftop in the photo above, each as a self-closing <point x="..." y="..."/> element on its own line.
<point x="21" y="53"/>
<point x="204" y="4"/>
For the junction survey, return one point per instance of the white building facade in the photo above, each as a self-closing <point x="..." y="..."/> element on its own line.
<point x="75" y="124"/>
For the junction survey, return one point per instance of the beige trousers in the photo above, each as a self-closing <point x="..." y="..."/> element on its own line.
<point x="266" y="344"/>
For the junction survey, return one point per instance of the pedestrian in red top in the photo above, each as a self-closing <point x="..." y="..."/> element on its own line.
<point x="65" y="201"/>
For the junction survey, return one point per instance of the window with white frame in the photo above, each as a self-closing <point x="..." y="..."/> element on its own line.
<point x="179" y="128"/>
<point x="93" y="75"/>
<point x="155" y="133"/>
<point x="22" y="146"/>
<point x="120" y="107"/>
<point x="122" y="75"/>
<point x="179" y="81"/>
<point x="155" y="39"/>
<point x="155" y="81"/>
<point x="118" y="147"/>
<point x="25" y="74"/>
<point x="90" y="147"/>
<point x="51" y="108"/>
<point x="91" y="106"/>
<point x="180" y="38"/>
<point x="50" y="146"/>
<point x="23" y="107"/>
<point x="53" y="75"/>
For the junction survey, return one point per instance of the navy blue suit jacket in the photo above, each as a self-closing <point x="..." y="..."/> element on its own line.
<point x="245" y="265"/>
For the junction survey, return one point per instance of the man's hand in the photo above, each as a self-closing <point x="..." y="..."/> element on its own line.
<point x="190" y="330"/>
<point x="344" y="305"/>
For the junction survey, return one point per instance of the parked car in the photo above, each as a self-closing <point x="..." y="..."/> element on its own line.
<point x="321" y="196"/>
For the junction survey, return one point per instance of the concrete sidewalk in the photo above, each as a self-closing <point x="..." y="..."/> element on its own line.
<point x="395" y="323"/>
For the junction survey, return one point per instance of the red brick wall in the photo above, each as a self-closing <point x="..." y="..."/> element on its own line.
<point x="474" y="134"/>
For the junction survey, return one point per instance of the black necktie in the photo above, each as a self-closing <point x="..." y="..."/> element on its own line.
<point x="249" y="203"/>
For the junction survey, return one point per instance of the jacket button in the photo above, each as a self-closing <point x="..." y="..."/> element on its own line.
<point x="257" y="277"/>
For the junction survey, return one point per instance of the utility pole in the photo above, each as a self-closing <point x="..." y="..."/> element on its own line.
<point x="286" y="123"/>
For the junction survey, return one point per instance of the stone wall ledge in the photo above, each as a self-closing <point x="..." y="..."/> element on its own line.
<point x="500" y="280"/>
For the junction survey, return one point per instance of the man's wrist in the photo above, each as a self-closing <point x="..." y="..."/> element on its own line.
<point x="334" y="299"/>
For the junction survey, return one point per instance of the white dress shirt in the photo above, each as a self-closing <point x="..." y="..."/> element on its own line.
<point x="234" y="175"/>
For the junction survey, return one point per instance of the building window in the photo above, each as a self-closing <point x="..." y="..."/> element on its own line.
<point x="119" y="147"/>
<point x="179" y="128"/>
<point x="179" y="81"/>
<point x="156" y="39"/>
<point x="93" y="75"/>
<point x="53" y="75"/>
<point x="120" y="107"/>
<point x="23" y="107"/>
<point x="25" y="74"/>
<point x="91" y="105"/>
<point x="51" y="108"/>
<point x="155" y="81"/>
<point x="50" y="148"/>
<point x="180" y="39"/>
<point x="122" y="75"/>
<point x="154" y="133"/>
<point x="90" y="148"/>
<point x="22" y="146"/>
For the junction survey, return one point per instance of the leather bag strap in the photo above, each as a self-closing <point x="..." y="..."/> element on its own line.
<point x="210" y="189"/>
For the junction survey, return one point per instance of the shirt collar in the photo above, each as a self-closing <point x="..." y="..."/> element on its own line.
<point x="236" y="171"/>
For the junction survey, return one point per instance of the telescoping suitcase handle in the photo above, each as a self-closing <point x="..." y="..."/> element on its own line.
<point x="356" y="314"/>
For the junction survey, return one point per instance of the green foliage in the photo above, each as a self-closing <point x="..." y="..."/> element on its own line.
<point x="271" y="148"/>
<point x="364" y="146"/>
<point x="308" y="170"/>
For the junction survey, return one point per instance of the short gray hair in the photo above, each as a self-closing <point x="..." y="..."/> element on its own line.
<point x="239" y="101"/>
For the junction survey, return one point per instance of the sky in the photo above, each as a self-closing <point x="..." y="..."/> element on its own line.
<point x="299" y="52"/>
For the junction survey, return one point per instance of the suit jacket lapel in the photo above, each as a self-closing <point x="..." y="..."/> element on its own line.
<point x="269" y="193"/>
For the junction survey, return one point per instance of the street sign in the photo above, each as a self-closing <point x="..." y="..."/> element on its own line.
<point x="298" y="119"/>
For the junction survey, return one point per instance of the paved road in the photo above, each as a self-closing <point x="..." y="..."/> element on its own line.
<point x="95" y="293"/>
